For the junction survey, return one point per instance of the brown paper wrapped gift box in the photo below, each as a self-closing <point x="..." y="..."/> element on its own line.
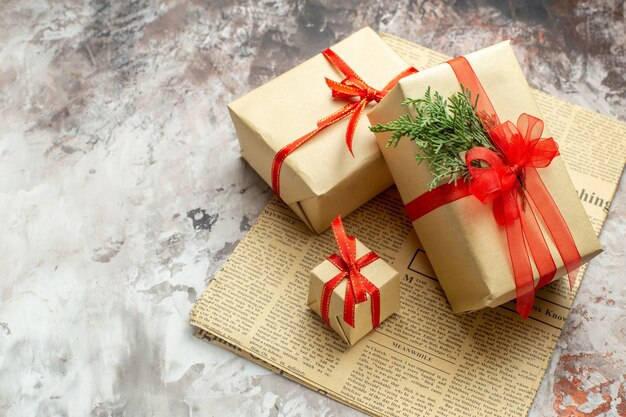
<point x="467" y="248"/>
<point x="321" y="179"/>
<point x="379" y="272"/>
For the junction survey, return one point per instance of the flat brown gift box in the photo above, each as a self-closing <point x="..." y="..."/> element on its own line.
<point x="466" y="247"/>
<point x="321" y="179"/>
<point x="379" y="272"/>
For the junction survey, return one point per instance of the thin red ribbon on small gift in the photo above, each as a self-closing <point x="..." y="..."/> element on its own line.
<point x="351" y="87"/>
<point x="511" y="182"/>
<point x="358" y="286"/>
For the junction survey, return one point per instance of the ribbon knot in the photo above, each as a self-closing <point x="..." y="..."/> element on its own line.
<point x="520" y="146"/>
<point x="373" y="95"/>
<point x="358" y="286"/>
<point x="350" y="88"/>
<point x="354" y="87"/>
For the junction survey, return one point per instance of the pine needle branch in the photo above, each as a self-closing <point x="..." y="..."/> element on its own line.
<point x="443" y="130"/>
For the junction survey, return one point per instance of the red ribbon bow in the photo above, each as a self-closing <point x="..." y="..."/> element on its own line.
<point x="505" y="182"/>
<point x="521" y="146"/>
<point x="358" y="287"/>
<point x="511" y="182"/>
<point x="351" y="87"/>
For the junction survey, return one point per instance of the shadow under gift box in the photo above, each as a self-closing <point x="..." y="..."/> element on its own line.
<point x="321" y="179"/>
<point x="466" y="247"/>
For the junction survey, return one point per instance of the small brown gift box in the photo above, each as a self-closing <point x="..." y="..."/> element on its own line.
<point x="321" y="179"/>
<point x="378" y="272"/>
<point x="466" y="247"/>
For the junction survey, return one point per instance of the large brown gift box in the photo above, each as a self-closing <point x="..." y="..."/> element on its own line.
<point x="379" y="273"/>
<point x="321" y="179"/>
<point x="466" y="247"/>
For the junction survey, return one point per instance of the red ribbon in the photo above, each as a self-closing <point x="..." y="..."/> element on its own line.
<point x="357" y="286"/>
<point x="351" y="87"/>
<point x="511" y="181"/>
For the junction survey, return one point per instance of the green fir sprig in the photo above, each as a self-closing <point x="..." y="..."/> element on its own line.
<point x="444" y="130"/>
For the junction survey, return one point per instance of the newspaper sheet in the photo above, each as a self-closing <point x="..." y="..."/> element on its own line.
<point x="424" y="360"/>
